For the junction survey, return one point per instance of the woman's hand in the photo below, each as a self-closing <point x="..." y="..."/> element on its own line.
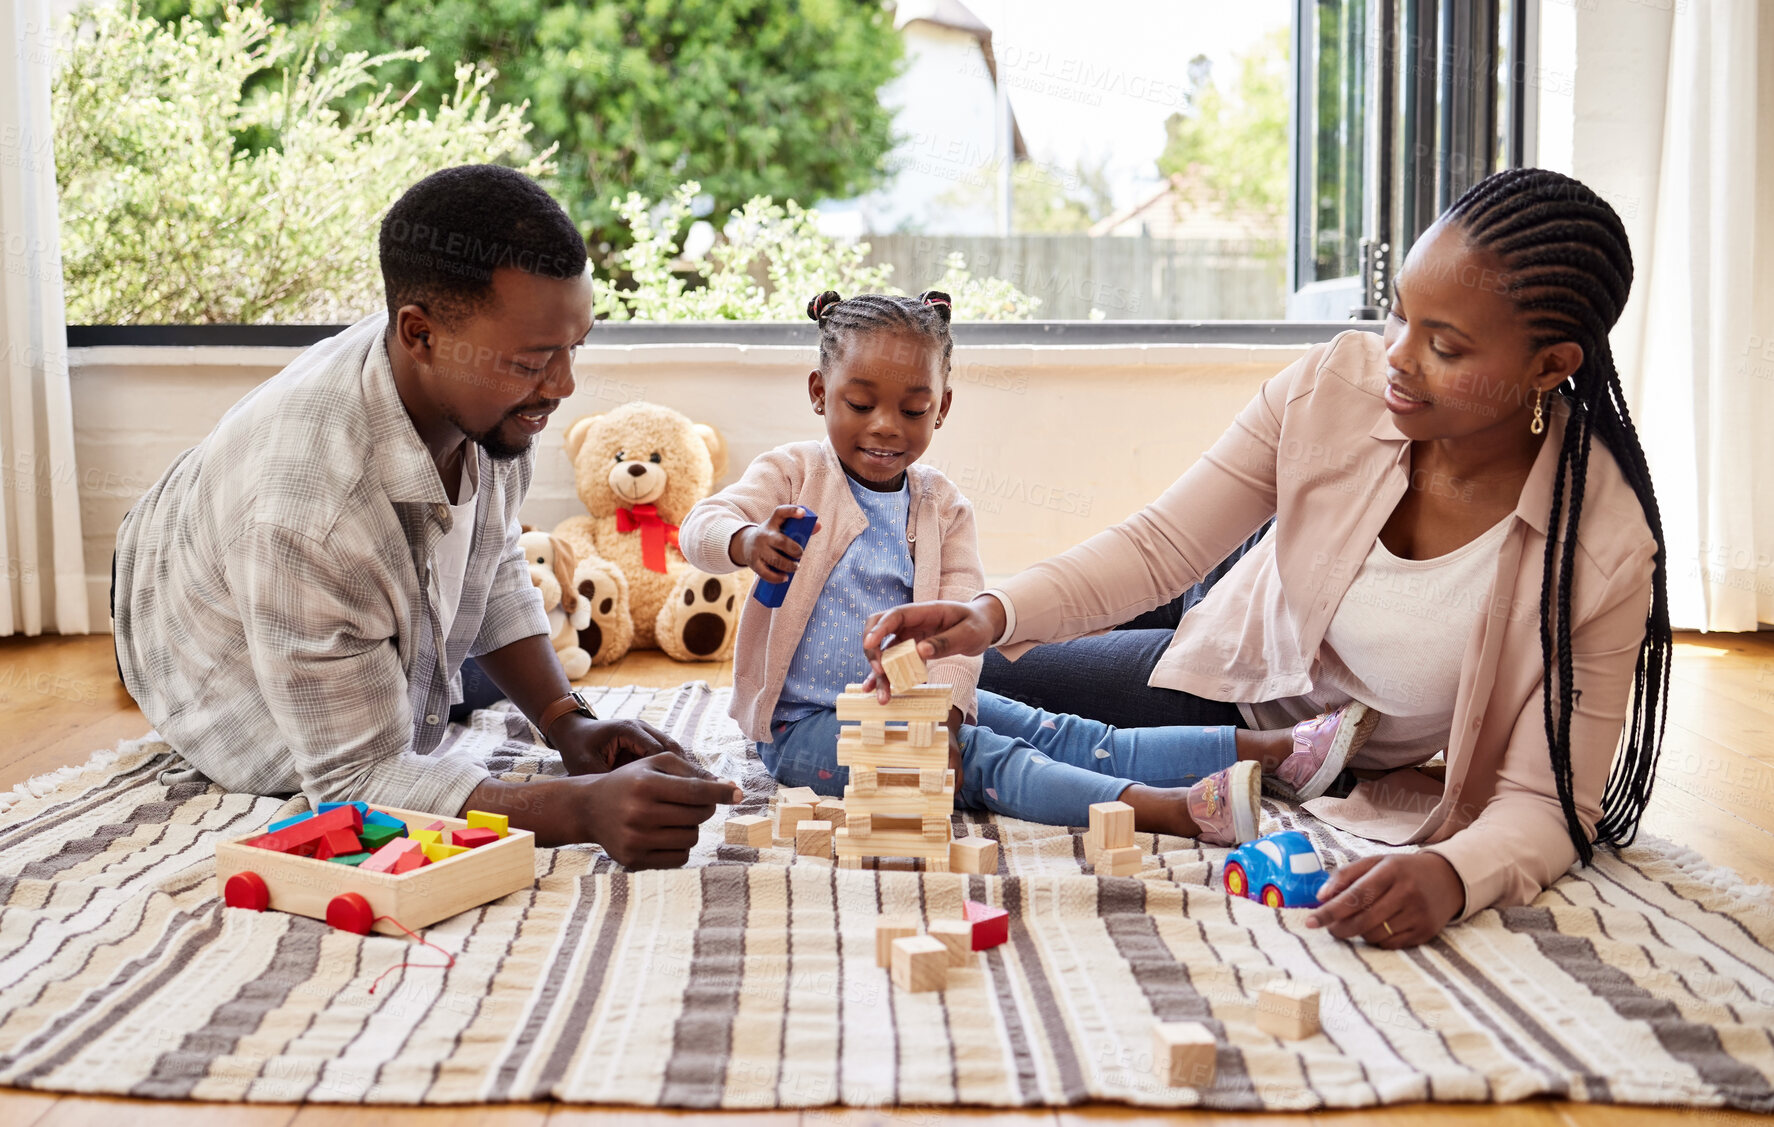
<point x="1396" y="901"/>
<point x="942" y="629"/>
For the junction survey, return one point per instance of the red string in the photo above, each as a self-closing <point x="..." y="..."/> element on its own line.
<point x="423" y="942"/>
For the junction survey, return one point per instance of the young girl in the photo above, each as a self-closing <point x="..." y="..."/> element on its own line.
<point x="892" y="531"/>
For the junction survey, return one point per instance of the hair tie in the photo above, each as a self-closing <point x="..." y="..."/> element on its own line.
<point x="939" y="301"/>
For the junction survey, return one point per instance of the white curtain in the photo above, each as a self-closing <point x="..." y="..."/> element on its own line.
<point x="39" y="503"/>
<point x="1700" y="373"/>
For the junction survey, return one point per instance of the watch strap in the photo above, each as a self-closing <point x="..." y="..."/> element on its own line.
<point x="571" y="702"/>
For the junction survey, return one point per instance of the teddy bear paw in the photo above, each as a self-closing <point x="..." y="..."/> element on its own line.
<point x="610" y="633"/>
<point x="699" y="621"/>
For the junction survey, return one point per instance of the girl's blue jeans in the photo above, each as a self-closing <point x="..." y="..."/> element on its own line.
<point x="1023" y="762"/>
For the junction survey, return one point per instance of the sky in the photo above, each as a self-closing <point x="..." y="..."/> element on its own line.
<point x="1102" y="85"/>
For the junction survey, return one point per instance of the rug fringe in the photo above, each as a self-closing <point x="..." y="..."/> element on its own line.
<point x="40" y="785"/>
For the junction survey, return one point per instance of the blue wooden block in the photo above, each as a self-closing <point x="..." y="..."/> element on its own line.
<point x="377" y="818"/>
<point x="287" y="822"/>
<point x="362" y="807"/>
<point x="798" y="529"/>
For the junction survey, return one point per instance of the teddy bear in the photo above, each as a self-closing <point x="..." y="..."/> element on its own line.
<point x="555" y="570"/>
<point x="638" y="470"/>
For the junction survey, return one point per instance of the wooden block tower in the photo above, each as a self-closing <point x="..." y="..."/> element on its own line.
<point x="901" y="791"/>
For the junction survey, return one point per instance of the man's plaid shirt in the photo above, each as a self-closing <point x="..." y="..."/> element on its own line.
<point x="272" y="601"/>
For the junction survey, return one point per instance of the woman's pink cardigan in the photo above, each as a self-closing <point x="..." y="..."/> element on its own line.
<point x="939" y="529"/>
<point x="1318" y="449"/>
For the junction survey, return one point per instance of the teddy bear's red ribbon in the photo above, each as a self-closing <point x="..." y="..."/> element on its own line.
<point x="655" y="533"/>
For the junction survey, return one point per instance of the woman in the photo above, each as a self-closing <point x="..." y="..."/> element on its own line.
<point x="1465" y="539"/>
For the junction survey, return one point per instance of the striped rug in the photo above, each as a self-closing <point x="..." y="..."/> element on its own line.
<point x="748" y="980"/>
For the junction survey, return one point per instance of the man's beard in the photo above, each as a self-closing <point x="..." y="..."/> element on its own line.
<point x="497" y="448"/>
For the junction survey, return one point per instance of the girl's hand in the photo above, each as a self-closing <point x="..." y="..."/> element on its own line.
<point x="944" y="629"/>
<point x="1397" y="901"/>
<point x="768" y="550"/>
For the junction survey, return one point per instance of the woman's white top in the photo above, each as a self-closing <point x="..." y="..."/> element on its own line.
<point x="1396" y="644"/>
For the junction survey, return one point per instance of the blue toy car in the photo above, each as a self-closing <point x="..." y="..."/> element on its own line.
<point x="1282" y="870"/>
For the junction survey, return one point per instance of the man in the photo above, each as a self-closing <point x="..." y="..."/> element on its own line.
<point x="295" y="596"/>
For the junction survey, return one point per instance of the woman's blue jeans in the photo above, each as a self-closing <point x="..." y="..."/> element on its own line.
<point x="1024" y="762"/>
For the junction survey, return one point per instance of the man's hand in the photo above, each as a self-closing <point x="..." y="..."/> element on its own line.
<point x="766" y="548"/>
<point x="1396" y="901"/>
<point x="593" y="747"/>
<point x="644" y="813"/>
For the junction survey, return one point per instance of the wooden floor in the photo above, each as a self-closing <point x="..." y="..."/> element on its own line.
<point x="60" y="700"/>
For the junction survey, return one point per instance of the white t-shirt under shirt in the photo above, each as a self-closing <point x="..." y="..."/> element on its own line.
<point x="449" y="560"/>
<point x="1396" y="643"/>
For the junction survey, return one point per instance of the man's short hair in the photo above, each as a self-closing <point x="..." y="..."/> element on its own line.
<point x="444" y="237"/>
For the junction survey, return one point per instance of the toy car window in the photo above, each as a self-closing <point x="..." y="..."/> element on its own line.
<point x="1304" y="863"/>
<point x="1272" y="851"/>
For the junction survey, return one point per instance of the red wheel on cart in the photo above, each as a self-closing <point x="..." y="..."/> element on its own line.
<point x="246" y="890"/>
<point x="1236" y="882"/>
<point x="349" y="911"/>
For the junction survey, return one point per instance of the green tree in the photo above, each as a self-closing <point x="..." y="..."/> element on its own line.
<point x="1230" y="151"/>
<point x="165" y="217"/>
<point x="748" y="97"/>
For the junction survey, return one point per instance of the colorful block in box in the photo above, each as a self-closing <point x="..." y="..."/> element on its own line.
<point x="377" y="818"/>
<point x="363" y="808"/>
<point x="481" y="820"/>
<point x="473" y="837"/>
<point x="991" y="926"/>
<point x="288" y="822"/>
<point x="427" y="837"/>
<point x="303" y="837"/>
<point x="439" y="827"/>
<point x="336" y="843"/>
<point x="401" y="855"/>
<point x="375" y="837"/>
<point x="350" y="858"/>
<point x="437" y="851"/>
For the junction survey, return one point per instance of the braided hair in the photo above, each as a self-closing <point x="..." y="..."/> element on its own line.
<point x="839" y="319"/>
<point x="1569" y="269"/>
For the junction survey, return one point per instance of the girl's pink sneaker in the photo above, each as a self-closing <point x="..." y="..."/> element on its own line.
<point x="1226" y="805"/>
<point x="1322" y="747"/>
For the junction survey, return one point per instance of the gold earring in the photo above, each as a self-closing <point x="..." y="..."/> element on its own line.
<point x="1539" y="423"/>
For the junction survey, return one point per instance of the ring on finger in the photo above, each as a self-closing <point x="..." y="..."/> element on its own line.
<point x="1387" y="925"/>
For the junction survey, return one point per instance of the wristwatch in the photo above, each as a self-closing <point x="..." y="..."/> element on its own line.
<point x="572" y="702"/>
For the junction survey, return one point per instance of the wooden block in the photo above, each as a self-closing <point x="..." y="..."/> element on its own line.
<point x="383" y="860"/>
<point x="813" y="838"/>
<point x="896" y="752"/>
<point x="1184" y="1053"/>
<point x="887" y="929"/>
<point x="973" y="855"/>
<point x="892" y="843"/>
<point x="749" y="829"/>
<point x="1121" y="862"/>
<point x="874" y="733"/>
<point x="922" y="733"/>
<point x="920" y="963"/>
<point x="859" y="825"/>
<point x="376" y="836"/>
<point x="991" y="926"/>
<point x="1288" y="1008"/>
<point x="337" y="843"/>
<point x="930" y="781"/>
<point x="789" y="816"/>
<point x="862" y="780"/>
<point x="427" y="837"/>
<point x="473" y="837"/>
<point x="437" y="851"/>
<point x="439" y="826"/>
<point x="937" y="829"/>
<point x="481" y="820"/>
<point x="904" y="666"/>
<point x="830" y="810"/>
<point x="353" y="859"/>
<point x="957" y="936"/>
<point x="936" y="864"/>
<point x="926" y="702"/>
<point x="1112" y="822"/>
<point x="806" y="796"/>
<point x="849" y="862"/>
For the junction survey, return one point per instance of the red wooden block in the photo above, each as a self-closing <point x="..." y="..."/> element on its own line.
<point x="304" y="836"/>
<point x="991" y="926"/>
<point x="411" y="859"/>
<point x="386" y="858"/>
<point x="337" y="843"/>
<point x="473" y="838"/>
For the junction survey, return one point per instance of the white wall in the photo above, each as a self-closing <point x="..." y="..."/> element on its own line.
<point x="1051" y="443"/>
